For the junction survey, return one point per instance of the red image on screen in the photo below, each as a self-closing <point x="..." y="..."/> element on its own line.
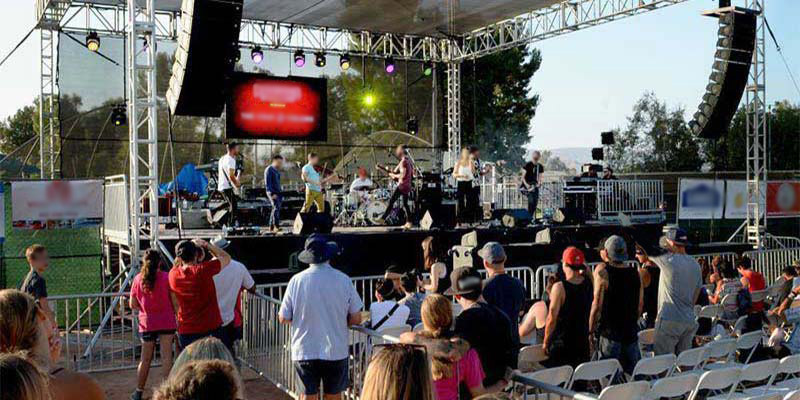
<point x="266" y="107"/>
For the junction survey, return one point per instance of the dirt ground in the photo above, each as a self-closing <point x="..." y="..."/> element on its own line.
<point x="119" y="385"/>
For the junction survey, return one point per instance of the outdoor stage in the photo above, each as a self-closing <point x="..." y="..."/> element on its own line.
<point x="370" y="250"/>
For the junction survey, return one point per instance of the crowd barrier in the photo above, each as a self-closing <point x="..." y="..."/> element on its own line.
<point x="630" y="197"/>
<point x="771" y="262"/>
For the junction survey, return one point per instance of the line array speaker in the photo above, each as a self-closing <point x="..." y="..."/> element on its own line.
<point x="208" y="48"/>
<point x="728" y="80"/>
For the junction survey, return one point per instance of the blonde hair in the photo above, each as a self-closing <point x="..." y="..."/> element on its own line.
<point x="202" y="380"/>
<point x="22" y="379"/>
<point x="205" y="349"/>
<point x="437" y="318"/>
<point x="19" y="325"/>
<point x="34" y="251"/>
<point x="437" y="315"/>
<point x="398" y="372"/>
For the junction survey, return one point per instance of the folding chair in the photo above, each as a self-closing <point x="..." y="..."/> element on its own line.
<point x="530" y="357"/>
<point x="720" y="381"/>
<point x="712" y="312"/>
<point x="785" y="380"/>
<point x="762" y="371"/>
<point x="689" y="360"/>
<point x="719" y="352"/>
<point x="646" y="342"/>
<point x="748" y="343"/>
<point x="628" y="391"/>
<point x="602" y="371"/>
<point x="792" y="395"/>
<point x="394" y="331"/>
<point x="672" y="387"/>
<point x="557" y="376"/>
<point x="658" y="366"/>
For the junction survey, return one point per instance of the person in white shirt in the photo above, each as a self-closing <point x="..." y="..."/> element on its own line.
<point x="362" y="182"/>
<point x="228" y="284"/>
<point x="387" y="313"/>
<point x="227" y="180"/>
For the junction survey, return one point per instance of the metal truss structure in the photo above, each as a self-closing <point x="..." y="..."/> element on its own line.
<point x="757" y="136"/>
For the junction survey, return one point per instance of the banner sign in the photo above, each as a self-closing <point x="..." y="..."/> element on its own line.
<point x="56" y="204"/>
<point x="700" y="199"/>
<point x="736" y="199"/>
<point x="783" y="199"/>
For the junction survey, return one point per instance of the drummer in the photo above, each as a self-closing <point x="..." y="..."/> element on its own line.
<point x="362" y="182"/>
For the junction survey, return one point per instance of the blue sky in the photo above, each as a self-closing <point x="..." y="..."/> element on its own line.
<point x="588" y="82"/>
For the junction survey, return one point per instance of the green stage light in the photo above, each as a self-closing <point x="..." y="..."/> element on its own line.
<point x="369" y="100"/>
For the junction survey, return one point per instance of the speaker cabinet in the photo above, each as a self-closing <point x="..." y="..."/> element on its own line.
<point x="516" y="218"/>
<point x="442" y="216"/>
<point x="208" y="48"/>
<point x="730" y="72"/>
<point x="308" y="223"/>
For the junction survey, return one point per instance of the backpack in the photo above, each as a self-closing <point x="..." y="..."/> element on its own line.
<point x="743" y="302"/>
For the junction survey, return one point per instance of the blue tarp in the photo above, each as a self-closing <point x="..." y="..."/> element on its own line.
<point x="189" y="180"/>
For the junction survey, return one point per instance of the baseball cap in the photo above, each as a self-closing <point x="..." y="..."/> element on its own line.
<point x="574" y="258"/>
<point x="616" y="248"/>
<point x="492" y="253"/>
<point x="677" y="236"/>
<point x="464" y="280"/>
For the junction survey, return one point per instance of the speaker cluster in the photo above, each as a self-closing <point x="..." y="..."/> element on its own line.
<point x="735" y="45"/>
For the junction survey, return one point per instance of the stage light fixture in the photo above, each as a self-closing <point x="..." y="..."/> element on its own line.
<point x="427" y="68"/>
<point x="299" y="58"/>
<point x="257" y="55"/>
<point x="389" y="65"/>
<point x="344" y="62"/>
<point x="319" y="59"/>
<point x="119" y="115"/>
<point x="369" y="100"/>
<point x="412" y="125"/>
<point x="93" y="41"/>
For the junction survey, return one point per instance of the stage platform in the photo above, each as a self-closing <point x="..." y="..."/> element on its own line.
<point x="370" y="250"/>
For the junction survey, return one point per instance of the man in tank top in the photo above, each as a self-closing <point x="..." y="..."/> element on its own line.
<point x="618" y="301"/>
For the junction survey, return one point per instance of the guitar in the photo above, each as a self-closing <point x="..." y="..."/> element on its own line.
<point x="387" y="170"/>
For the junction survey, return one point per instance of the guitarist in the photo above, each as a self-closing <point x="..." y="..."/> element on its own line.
<point x="531" y="175"/>
<point x="228" y="182"/>
<point x="402" y="173"/>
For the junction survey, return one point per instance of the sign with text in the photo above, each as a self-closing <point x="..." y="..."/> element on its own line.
<point x="56" y="204"/>
<point x="268" y="107"/>
<point x="700" y="199"/>
<point x="783" y="199"/>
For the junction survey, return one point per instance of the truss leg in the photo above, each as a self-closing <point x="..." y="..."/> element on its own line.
<point x="453" y="113"/>
<point x="48" y="103"/>
<point x="757" y="151"/>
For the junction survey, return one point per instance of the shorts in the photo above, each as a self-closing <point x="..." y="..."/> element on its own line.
<point x="151" y="336"/>
<point x="185" y="339"/>
<point x="332" y="374"/>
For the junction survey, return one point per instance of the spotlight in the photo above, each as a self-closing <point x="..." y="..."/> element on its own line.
<point x="119" y="115"/>
<point x="344" y="62"/>
<point x="412" y="125"/>
<point x="257" y="55"/>
<point x="369" y="100"/>
<point x="389" y="65"/>
<point x="93" y="41"/>
<point x="319" y="59"/>
<point x="427" y="68"/>
<point x="299" y="58"/>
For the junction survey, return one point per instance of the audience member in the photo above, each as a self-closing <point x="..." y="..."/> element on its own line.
<point x="501" y="290"/>
<point x="618" y="301"/>
<point x="730" y="285"/>
<point x="566" y="334"/>
<point x="788" y="294"/>
<point x="715" y="275"/>
<point x="229" y="284"/>
<point x="679" y="285"/>
<point x="531" y="329"/>
<point x="393" y="274"/>
<point x="453" y="363"/>
<point x="205" y="349"/>
<point x="412" y="298"/>
<point x="203" y="380"/>
<point x="386" y="312"/>
<point x="752" y="280"/>
<point x="34" y="283"/>
<point x="150" y="297"/>
<point x="398" y="372"/>
<point x="649" y="275"/>
<point x="191" y="282"/>
<point x="484" y="326"/>
<point x="705" y="269"/>
<point x="432" y="258"/>
<point x="22" y="379"/>
<point x="25" y="327"/>
<point x="319" y="304"/>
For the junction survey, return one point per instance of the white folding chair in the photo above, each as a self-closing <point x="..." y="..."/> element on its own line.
<point x="690" y="360"/>
<point x="672" y="387"/>
<point x="739" y="325"/>
<point x="712" y="312"/>
<point x="786" y="379"/>
<point x="419" y="327"/>
<point x="772" y="396"/>
<point x="762" y="371"/>
<point x="795" y="395"/>
<point x="602" y="371"/>
<point x="719" y="352"/>
<point x="646" y="341"/>
<point x="557" y="376"/>
<point x="530" y="356"/>
<point x="728" y="302"/>
<point x="628" y="391"/>
<point x="658" y="366"/>
<point x="393" y="331"/>
<point x="720" y="381"/>
<point x="748" y="343"/>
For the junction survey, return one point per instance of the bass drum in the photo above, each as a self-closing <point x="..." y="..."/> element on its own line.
<point x="374" y="211"/>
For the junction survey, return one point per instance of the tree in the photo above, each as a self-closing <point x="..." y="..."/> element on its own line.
<point x="18" y="129"/>
<point x="655" y="139"/>
<point x="497" y="105"/>
<point x="554" y="163"/>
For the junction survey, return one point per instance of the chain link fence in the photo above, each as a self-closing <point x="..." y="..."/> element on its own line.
<point x="75" y="255"/>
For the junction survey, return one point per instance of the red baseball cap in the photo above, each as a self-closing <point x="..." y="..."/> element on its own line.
<point x="573" y="257"/>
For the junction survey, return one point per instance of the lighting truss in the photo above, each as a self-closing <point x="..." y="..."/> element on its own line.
<point x="757" y="136"/>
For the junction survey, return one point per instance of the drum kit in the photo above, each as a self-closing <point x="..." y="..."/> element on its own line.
<point x="362" y="206"/>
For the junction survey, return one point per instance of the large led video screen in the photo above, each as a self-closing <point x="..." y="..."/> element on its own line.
<point x="267" y="107"/>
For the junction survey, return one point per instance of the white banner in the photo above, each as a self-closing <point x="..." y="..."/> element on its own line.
<point x="56" y="204"/>
<point x="700" y="199"/>
<point x="736" y="199"/>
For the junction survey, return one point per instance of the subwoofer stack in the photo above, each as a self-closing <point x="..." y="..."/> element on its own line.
<point x="728" y="80"/>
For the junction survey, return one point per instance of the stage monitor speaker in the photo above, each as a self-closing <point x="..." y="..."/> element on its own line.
<point x="597" y="154"/>
<point x="308" y="223"/>
<point x="569" y="216"/>
<point x="516" y="218"/>
<point x="729" y="75"/>
<point x="442" y="217"/>
<point x="607" y="138"/>
<point x="208" y="48"/>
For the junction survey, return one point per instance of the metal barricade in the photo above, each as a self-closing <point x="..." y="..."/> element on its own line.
<point x="770" y="262"/>
<point x="79" y="317"/>
<point x="116" y="218"/>
<point x="729" y="257"/>
<point x="527" y="388"/>
<point x="630" y="197"/>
